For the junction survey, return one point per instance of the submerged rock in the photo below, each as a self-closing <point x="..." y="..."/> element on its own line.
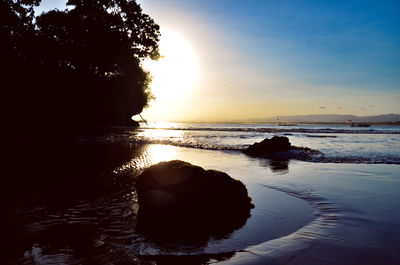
<point x="279" y="148"/>
<point x="179" y="198"/>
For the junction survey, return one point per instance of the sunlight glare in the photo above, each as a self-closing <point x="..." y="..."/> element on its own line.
<point x="175" y="72"/>
<point x="158" y="153"/>
<point x="159" y="135"/>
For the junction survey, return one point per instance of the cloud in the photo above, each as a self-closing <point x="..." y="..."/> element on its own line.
<point x="339" y="107"/>
<point x="322" y="107"/>
<point x="371" y="106"/>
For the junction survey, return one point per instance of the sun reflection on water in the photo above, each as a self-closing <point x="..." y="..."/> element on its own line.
<point x="152" y="154"/>
<point x="159" y="153"/>
<point x="159" y="134"/>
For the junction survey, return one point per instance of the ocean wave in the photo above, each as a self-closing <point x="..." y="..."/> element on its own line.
<point x="178" y="143"/>
<point x="316" y="157"/>
<point x="279" y="130"/>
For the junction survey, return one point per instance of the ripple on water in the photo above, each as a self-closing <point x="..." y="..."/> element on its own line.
<point x="327" y="218"/>
<point x="108" y="224"/>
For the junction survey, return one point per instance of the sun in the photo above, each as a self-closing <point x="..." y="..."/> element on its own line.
<point x="175" y="73"/>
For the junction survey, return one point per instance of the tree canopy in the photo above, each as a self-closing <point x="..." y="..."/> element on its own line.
<point x="75" y="67"/>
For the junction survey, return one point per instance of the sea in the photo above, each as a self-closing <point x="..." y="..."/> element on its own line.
<point x="339" y="206"/>
<point x="338" y="143"/>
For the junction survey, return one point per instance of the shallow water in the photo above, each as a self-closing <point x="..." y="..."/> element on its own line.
<point x="356" y="208"/>
<point x="338" y="143"/>
<point x="306" y="213"/>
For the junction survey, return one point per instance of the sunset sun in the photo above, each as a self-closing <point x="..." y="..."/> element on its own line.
<point x="174" y="74"/>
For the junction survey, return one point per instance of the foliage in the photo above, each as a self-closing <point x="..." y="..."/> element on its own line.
<point x="75" y="67"/>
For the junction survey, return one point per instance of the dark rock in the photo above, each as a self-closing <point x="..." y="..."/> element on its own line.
<point x="180" y="199"/>
<point x="279" y="148"/>
<point x="268" y="146"/>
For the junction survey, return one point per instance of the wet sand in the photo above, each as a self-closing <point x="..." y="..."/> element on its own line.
<point x="305" y="213"/>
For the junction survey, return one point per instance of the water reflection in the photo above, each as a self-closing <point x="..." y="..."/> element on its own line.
<point x="190" y="259"/>
<point x="74" y="207"/>
<point x="280" y="167"/>
<point x="158" y="153"/>
<point x="160" y="134"/>
<point x="149" y="155"/>
<point x="83" y="207"/>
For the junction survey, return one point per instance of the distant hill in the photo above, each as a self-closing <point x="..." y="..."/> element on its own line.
<point x="335" y="118"/>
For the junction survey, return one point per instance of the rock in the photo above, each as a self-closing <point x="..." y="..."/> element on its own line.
<point x="279" y="148"/>
<point x="268" y="146"/>
<point x="177" y="196"/>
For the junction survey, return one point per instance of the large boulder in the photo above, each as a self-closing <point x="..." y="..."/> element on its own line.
<point x="177" y="197"/>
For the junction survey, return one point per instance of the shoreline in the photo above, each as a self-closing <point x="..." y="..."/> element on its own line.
<point x="277" y="123"/>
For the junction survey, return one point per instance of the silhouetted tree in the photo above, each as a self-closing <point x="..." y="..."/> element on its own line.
<point x="76" y="67"/>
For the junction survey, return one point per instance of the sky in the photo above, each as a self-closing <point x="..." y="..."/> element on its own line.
<point x="238" y="60"/>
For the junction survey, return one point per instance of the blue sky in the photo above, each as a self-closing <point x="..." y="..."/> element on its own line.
<point x="355" y="43"/>
<point x="292" y="56"/>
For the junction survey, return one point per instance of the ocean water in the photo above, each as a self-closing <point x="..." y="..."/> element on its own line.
<point x="342" y="207"/>
<point x="338" y="143"/>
